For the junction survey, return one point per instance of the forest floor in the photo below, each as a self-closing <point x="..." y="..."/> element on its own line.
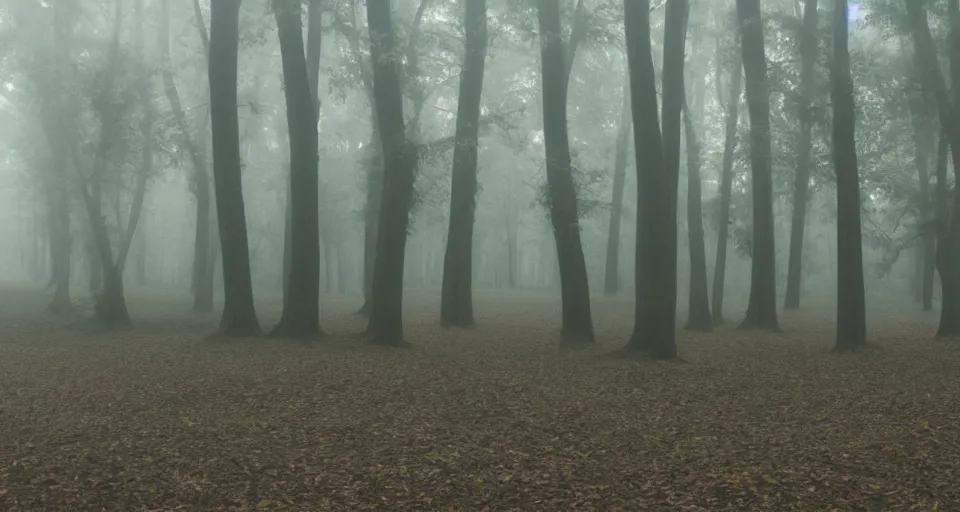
<point x="493" y="418"/>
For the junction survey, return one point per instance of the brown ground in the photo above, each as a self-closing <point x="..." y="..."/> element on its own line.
<point x="489" y="419"/>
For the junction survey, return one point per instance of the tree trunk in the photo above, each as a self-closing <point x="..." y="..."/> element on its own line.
<point x="301" y="305"/>
<point x="239" y="315"/>
<point x="456" y="305"/>
<point x="948" y="109"/>
<point x="399" y="156"/>
<point x="698" y="310"/>
<point x="762" y="305"/>
<point x="611" y="278"/>
<point x="726" y="184"/>
<point x="851" y="308"/>
<point x="801" y="186"/>
<point x="577" y="322"/>
<point x="923" y="140"/>
<point x="199" y="181"/>
<point x="60" y="242"/>
<point x="658" y="166"/>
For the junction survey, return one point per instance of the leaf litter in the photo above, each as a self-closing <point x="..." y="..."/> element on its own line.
<point x="492" y="418"/>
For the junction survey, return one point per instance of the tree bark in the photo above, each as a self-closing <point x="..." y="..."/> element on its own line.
<point x="726" y="184"/>
<point x="698" y="310"/>
<point x="456" y="305"/>
<point x="239" y="314"/>
<point x="386" y="319"/>
<point x="851" y="308"/>
<point x="301" y="305"/>
<point x="801" y="186"/>
<point x="658" y="166"/>
<point x="762" y="305"/>
<point x="948" y="109"/>
<point x="611" y="281"/>
<point x="577" y="322"/>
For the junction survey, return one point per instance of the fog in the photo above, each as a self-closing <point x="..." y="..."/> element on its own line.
<point x="479" y="255"/>
<point x="513" y="243"/>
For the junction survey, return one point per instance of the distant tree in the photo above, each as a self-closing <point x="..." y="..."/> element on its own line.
<point x="577" y="321"/>
<point x="657" y="174"/>
<point x="948" y="109"/>
<point x="202" y="280"/>
<point x="698" y="311"/>
<point x="851" y="309"/>
<point x="732" y="113"/>
<point x="400" y="159"/>
<point x="762" y="305"/>
<point x="611" y="281"/>
<point x="808" y="59"/>
<point x="922" y="117"/>
<point x="456" y="305"/>
<point x="58" y="193"/>
<point x="110" y="307"/>
<point x="301" y="304"/>
<point x="239" y="315"/>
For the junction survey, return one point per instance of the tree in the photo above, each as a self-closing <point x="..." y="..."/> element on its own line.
<point x="611" y="281"/>
<point x="577" y="321"/>
<point x="808" y="58"/>
<point x="456" y="305"/>
<point x="762" y="305"/>
<point x="948" y="110"/>
<point x="400" y="160"/>
<point x="924" y="140"/>
<point x="851" y="309"/>
<point x="657" y="174"/>
<point x="732" y="113"/>
<point x="111" y="308"/>
<point x="201" y="279"/>
<point x="698" y="311"/>
<point x="239" y="314"/>
<point x="301" y="304"/>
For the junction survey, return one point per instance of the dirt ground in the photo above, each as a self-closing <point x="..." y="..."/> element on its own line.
<point x="493" y="418"/>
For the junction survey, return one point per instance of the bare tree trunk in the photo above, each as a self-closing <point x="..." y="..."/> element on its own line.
<point x="301" y="304"/>
<point x="851" y="307"/>
<point x="762" y="305"/>
<point x="611" y="281"/>
<point x="577" y="321"/>
<point x="456" y="305"/>
<point x="949" y="112"/>
<point x="726" y="183"/>
<point x="801" y="186"/>
<point x="239" y="315"/>
<point x="386" y="319"/>
<point x="698" y="310"/>
<point x="924" y="143"/>
<point x="658" y="167"/>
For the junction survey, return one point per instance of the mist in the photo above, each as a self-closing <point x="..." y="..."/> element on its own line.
<point x="554" y="192"/>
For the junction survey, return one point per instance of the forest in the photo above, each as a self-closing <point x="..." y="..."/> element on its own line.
<point x="517" y="255"/>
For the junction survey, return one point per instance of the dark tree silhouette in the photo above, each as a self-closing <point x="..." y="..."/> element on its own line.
<point x="801" y="186"/>
<point x="948" y="109"/>
<point x="577" y="320"/>
<point x="698" y="311"/>
<point x="851" y="308"/>
<point x="456" y="305"/>
<point x="301" y="304"/>
<point x="239" y="315"/>
<point x="762" y="305"/>
<point x="726" y="183"/>
<point x="611" y="281"/>
<point x="399" y="158"/>
<point x="657" y="174"/>
<point x="201" y="279"/>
